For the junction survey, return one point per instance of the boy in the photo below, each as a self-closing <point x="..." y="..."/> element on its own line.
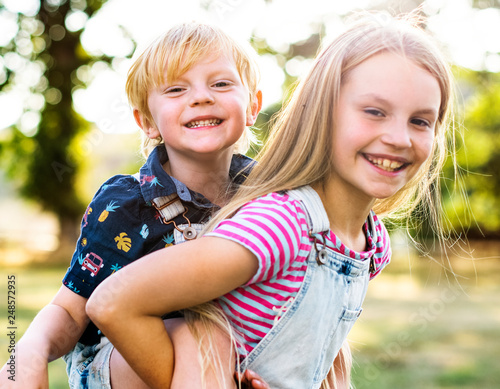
<point x="193" y="92"/>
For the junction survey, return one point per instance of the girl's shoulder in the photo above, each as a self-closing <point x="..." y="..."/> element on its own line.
<point x="379" y="229"/>
<point x="278" y="200"/>
<point x="273" y="220"/>
<point x="381" y="246"/>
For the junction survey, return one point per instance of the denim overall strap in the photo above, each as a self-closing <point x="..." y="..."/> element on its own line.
<point x="300" y="348"/>
<point x="314" y="206"/>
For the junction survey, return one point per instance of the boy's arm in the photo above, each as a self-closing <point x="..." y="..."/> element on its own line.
<point x="128" y="306"/>
<point x="53" y="332"/>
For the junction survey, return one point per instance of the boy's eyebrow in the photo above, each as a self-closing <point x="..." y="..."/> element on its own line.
<point x="382" y="100"/>
<point x="214" y="73"/>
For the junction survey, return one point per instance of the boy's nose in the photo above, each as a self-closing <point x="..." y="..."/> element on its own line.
<point x="202" y="96"/>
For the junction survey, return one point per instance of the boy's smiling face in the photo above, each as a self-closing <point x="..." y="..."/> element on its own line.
<point x="203" y="111"/>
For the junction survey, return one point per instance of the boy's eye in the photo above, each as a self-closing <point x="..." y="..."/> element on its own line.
<point x="174" y="89"/>
<point x="221" y="84"/>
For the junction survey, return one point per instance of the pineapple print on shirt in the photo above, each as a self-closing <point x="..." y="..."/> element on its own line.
<point x="169" y="240"/>
<point x="111" y="207"/>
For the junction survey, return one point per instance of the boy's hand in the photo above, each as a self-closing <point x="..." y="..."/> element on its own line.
<point x="251" y="380"/>
<point x="28" y="371"/>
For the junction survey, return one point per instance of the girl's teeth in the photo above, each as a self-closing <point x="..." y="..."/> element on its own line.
<point x="386" y="164"/>
<point x="203" y="123"/>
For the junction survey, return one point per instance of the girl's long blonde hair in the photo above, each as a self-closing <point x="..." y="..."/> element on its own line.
<point x="298" y="151"/>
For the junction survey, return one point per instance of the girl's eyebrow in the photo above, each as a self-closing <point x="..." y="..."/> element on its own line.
<point x="376" y="97"/>
<point x="382" y="100"/>
<point x="427" y="111"/>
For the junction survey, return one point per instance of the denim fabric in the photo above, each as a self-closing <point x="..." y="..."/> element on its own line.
<point x="88" y="366"/>
<point x="309" y="335"/>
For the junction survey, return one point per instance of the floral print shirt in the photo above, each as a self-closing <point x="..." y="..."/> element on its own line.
<point x="121" y="225"/>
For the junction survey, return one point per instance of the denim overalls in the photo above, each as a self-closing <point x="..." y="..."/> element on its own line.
<point x="300" y="349"/>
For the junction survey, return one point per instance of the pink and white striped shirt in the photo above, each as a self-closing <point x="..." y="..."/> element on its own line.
<point x="274" y="228"/>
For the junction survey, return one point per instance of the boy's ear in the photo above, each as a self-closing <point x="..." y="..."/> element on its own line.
<point x="150" y="130"/>
<point x="256" y="106"/>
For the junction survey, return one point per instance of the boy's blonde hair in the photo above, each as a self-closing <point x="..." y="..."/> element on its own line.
<point x="174" y="53"/>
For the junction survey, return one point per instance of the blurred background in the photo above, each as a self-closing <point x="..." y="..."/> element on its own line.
<point x="65" y="127"/>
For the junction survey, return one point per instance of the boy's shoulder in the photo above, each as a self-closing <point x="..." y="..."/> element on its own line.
<point x="118" y="184"/>
<point x="121" y="190"/>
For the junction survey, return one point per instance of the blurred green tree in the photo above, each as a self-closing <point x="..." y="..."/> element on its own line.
<point x="477" y="212"/>
<point x="44" y="59"/>
<point x="41" y="62"/>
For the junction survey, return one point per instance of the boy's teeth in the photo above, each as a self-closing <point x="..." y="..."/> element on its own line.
<point x="203" y="123"/>
<point x="386" y="164"/>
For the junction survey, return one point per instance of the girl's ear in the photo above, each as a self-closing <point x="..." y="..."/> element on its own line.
<point x="149" y="129"/>
<point x="256" y="106"/>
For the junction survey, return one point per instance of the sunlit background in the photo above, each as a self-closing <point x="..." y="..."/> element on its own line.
<point x="404" y="339"/>
<point x="470" y="35"/>
<point x="468" y="30"/>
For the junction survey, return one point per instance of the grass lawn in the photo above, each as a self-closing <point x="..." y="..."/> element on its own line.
<point x="35" y="287"/>
<point x="419" y="328"/>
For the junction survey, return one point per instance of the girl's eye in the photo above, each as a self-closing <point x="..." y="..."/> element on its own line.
<point x="421" y="122"/>
<point x="374" y="112"/>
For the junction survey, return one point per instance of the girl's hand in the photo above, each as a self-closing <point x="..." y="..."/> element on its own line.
<point x="251" y="380"/>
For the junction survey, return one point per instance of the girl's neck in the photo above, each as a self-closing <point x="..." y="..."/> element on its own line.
<point x="210" y="176"/>
<point x="346" y="213"/>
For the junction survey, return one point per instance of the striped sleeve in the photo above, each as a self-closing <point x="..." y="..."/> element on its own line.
<point x="383" y="252"/>
<point x="271" y="228"/>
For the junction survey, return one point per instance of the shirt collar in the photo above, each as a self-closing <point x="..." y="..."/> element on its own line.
<point x="155" y="181"/>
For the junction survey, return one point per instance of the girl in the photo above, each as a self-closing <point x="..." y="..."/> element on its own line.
<point x="292" y="253"/>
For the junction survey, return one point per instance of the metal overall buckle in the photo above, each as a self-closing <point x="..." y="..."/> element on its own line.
<point x="322" y="254"/>
<point x="188" y="232"/>
<point x="171" y="208"/>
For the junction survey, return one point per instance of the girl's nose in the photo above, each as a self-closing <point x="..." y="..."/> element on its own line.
<point x="201" y="95"/>
<point x="398" y="135"/>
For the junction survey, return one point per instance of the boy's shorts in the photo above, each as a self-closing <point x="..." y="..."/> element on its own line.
<point x="88" y="366"/>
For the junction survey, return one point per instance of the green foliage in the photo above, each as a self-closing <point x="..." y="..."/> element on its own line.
<point x="39" y="154"/>
<point x="43" y="158"/>
<point x="476" y="207"/>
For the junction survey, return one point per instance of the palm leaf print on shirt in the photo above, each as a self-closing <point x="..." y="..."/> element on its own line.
<point x="123" y="242"/>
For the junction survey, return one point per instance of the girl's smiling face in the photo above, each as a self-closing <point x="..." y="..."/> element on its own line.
<point x="384" y="125"/>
